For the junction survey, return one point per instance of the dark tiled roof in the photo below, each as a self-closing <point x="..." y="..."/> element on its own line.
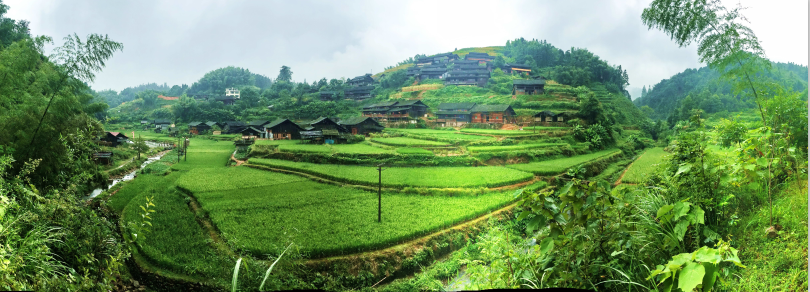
<point x="194" y="124"/>
<point x="528" y="82"/>
<point x="453" y="106"/>
<point x="490" y="108"/>
<point x="357" y="120"/>
<point x="414" y="102"/>
<point x="211" y="124"/>
<point x="258" y="123"/>
<point x="234" y="124"/>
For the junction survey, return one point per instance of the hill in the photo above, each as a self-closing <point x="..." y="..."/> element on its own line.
<point x="702" y="88"/>
<point x="572" y="75"/>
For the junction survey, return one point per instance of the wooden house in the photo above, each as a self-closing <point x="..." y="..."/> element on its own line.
<point x="531" y="86"/>
<point x="454" y="114"/>
<point x="282" y="129"/>
<point x="360" y="87"/>
<point x="395" y="110"/>
<point x="424" y="61"/>
<point x="493" y="114"/>
<point x="516" y="68"/>
<point x="413" y="71"/>
<point x="331" y="131"/>
<point x="470" y="76"/>
<point x="211" y="124"/>
<point x="432" y="72"/>
<point x="114" y="138"/>
<point x="258" y="124"/>
<point x="161" y="123"/>
<point x="197" y="128"/>
<point x="549" y="117"/>
<point x="251" y="132"/>
<point x="480" y="57"/>
<point x="361" y="125"/>
<point x="233" y="127"/>
<point x="443" y="58"/>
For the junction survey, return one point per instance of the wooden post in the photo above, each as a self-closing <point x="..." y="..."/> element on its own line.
<point x="379" y="194"/>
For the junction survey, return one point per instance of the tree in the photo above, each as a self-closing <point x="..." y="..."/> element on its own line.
<point x="648" y="111"/>
<point x="643" y="91"/>
<point x="285" y="74"/>
<point x="140" y="145"/>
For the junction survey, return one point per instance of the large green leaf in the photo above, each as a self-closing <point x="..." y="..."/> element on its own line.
<point x="680" y="229"/>
<point x="762" y="161"/>
<point x="684" y="168"/>
<point x="710" y="277"/>
<point x="665" y="209"/>
<point x="690" y="276"/>
<point x="698" y="215"/>
<point x="546" y="245"/>
<point x="680" y="209"/>
<point x="709" y="255"/>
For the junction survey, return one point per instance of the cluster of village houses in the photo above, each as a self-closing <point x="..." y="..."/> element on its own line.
<point x="473" y="70"/>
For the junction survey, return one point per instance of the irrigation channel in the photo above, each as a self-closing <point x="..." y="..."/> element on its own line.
<point x="128" y="176"/>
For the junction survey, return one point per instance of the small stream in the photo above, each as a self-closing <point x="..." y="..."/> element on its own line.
<point x="128" y="176"/>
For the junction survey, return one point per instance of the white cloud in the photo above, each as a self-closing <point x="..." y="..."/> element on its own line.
<point x="179" y="41"/>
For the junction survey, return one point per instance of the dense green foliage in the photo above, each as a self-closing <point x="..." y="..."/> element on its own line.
<point x="704" y="89"/>
<point x="435" y="177"/>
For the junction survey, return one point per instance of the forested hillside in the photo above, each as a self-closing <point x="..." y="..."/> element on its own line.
<point x="704" y="89"/>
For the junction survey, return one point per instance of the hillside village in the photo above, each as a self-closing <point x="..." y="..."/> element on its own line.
<point x="473" y="69"/>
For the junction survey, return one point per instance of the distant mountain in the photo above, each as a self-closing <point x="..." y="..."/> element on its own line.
<point x="711" y="94"/>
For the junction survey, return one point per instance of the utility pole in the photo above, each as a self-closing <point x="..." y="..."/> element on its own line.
<point x="379" y="194"/>
<point x="185" y="150"/>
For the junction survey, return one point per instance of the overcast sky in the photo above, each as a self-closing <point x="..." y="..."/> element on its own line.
<point x="178" y="41"/>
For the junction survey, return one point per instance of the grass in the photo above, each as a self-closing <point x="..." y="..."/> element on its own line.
<point x="644" y="165"/>
<point x="440" y="135"/>
<point x="276" y="142"/>
<point x="404" y="141"/>
<point x="414" y="151"/>
<point x="421" y="87"/>
<point x="519" y="147"/>
<point x="774" y="264"/>
<point x="499" y="132"/>
<point x="231" y="178"/>
<point x="557" y="166"/>
<point x="337" y="148"/>
<point x="435" y="177"/>
<point x="329" y="220"/>
<point x="541" y="128"/>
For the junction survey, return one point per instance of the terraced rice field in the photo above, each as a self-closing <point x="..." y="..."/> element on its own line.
<point x="337" y="148"/>
<point x="643" y="166"/>
<point x="441" y="135"/>
<point x="204" y="153"/>
<point x="557" y="166"/>
<point x="519" y="147"/>
<point x="434" y="177"/>
<point x="329" y="220"/>
<point x="409" y="142"/>
<point x="499" y="132"/>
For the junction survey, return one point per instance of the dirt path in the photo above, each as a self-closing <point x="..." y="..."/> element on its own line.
<point x="619" y="181"/>
<point x="238" y="162"/>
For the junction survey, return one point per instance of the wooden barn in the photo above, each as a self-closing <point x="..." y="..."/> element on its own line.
<point x="282" y="129"/>
<point x="197" y="128"/>
<point x="493" y="114"/>
<point x="530" y="87"/>
<point x="362" y="125"/>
